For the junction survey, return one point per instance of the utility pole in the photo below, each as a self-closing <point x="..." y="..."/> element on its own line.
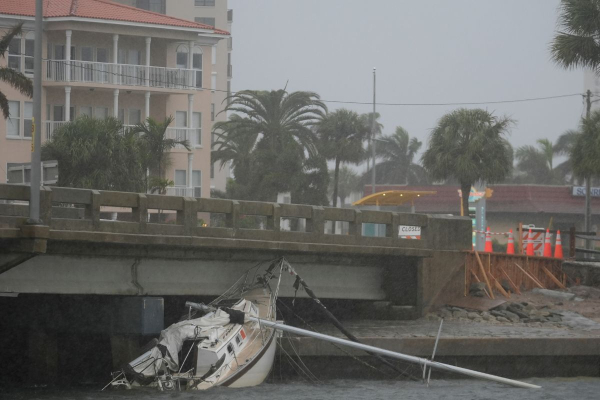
<point x="588" y="181"/>
<point x="36" y="170"/>
<point x="373" y="136"/>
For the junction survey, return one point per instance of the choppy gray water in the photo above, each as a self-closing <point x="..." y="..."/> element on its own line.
<point x="555" y="388"/>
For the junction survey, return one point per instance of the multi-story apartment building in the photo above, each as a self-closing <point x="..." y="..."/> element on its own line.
<point x="101" y="58"/>
<point x="214" y="13"/>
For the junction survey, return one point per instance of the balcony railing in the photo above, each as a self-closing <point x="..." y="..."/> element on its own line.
<point x="122" y="74"/>
<point x="51" y="126"/>
<point x="192" y="135"/>
<point x="195" y="191"/>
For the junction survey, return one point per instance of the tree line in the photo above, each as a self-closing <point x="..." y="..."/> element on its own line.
<point x="277" y="141"/>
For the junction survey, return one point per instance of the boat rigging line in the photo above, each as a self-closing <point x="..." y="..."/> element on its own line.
<point x="300" y="282"/>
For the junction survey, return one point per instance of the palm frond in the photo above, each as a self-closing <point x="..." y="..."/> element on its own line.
<point x="9" y="36"/>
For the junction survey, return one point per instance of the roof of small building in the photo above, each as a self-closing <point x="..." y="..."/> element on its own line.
<point x="98" y="9"/>
<point x="505" y="199"/>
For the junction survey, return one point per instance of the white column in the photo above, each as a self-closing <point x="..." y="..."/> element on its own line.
<point x="148" y="41"/>
<point x="147" y="105"/>
<point x="189" y="118"/>
<point x="190" y="170"/>
<point x="115" y="58"/>
<point x="68" y="33"/>
<point x="67" y="103"/>
<point x="116" y="104"/>
<point x="191" y="82"/>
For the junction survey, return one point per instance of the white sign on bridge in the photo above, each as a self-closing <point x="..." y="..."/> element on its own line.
<point x="409" y="232"/>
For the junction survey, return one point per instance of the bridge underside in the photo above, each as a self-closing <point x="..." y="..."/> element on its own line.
<point x="82" y="268"/>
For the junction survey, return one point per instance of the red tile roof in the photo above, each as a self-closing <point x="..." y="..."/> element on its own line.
<point x="505" y="199"/>
<point x="98" y="9"/>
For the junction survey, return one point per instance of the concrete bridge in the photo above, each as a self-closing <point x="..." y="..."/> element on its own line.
<point x="93" y="288"/>
<point x="201" y="246"/>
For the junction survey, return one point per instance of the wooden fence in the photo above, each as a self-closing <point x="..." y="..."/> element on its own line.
<point x="518" y="271"/>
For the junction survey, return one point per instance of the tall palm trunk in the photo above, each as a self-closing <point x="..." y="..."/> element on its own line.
<point x="336" y="176"/>
<point x="465" y="188"/>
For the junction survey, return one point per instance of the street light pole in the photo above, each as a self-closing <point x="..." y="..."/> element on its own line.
<point x="36" y="171"/>
<point x="373" y="135"/>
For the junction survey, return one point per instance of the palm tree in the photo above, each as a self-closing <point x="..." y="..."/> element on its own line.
<point x="367" y="120"/>
<point x="157" y="144"/>
<point x="341" y="137"/>
<point x="282" y="125"/>
<point x="563" y="147"/>
<point x="575" y="45"/>
<point x="585" y="152"/>
<point x="396" y="154"/>
<point x="94" y="154"/>
<point x="14" y="78"/>
<point x="348" y="182"/>
<point x="469" y="145"/>
<point x="535" y="165"/>
<point x="236" y="147"/>
<point x="279" y="117"/>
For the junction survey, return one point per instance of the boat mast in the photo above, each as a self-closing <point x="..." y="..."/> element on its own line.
<point x="392" y="354"/>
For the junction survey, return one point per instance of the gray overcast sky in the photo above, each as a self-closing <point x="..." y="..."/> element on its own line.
<point x="425" y="51"/>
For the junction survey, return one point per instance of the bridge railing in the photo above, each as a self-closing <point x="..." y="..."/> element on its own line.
<point x="68" y="209"/>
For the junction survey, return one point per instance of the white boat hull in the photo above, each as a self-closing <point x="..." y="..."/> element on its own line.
<point x="257" y="374"/>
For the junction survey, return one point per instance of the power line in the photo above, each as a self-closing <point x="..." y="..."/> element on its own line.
<point x="458" y="103"/>
<point x="186" y="86"/>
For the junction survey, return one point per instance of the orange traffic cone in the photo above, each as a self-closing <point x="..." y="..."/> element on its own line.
<point x="547" y="245"/>
<point x="558" y="252"/>
<point x="510" y="248"/>
<point x="530" y="244"/>
<point x="488" y="242"/>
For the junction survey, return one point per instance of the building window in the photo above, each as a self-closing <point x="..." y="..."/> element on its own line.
<point x="101" y="112"/>
<point x="135" y="116"/>
<point x="27" y="119"/>
<point x="182" y="56"/>
<point x="197" y="65"/>
<point x="213" y="54"/>
<point x="204" y="3"/>
<point x="101" y="55"/>
<point x="13" y="123"/>
<point x="85" y="110"/>
<point x="29" y="46"/>
<point x="205" y="20"/>
<point x="14" y="54"/>
<point x="228" y="92"/>
<point x="180" y="177"/>
<point x="213" y="81"/>
<point x="196" y="139"/>
<point x="157" y="6"/>
<point x="212" y="111"/>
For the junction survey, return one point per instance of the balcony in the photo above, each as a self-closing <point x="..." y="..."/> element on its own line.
<point x="192" y="135"/>
<point x="195" y="191"/>
<point x="121" y="74"/>
<point x="51" y="126"/>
